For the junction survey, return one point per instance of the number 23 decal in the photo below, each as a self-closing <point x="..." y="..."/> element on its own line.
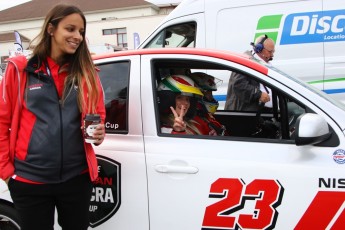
<point x="233" y="194"/>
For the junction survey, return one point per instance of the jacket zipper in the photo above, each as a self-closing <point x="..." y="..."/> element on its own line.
<point x="60" y="116"/>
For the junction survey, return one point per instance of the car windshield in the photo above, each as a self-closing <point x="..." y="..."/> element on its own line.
<point x="310" y="88"/>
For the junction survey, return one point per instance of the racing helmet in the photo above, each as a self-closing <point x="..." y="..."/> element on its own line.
<point x="180" y="84"/>
<point x="205" y="81"/>
<point x="174" y="85"/>
<point x="211" y="106"/>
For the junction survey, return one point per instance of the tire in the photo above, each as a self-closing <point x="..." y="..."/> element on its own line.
<point x="9" y="219"/>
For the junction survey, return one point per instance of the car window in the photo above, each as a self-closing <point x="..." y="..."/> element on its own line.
<point x="310" y="87"/>
<point x="275" y="122"/>
<point x="181" y="35"/>
<point x="114" y="77"/>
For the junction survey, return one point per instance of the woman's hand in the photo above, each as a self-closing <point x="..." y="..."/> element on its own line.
<point x="179" y="124"/>
<point x="99" y="134"/>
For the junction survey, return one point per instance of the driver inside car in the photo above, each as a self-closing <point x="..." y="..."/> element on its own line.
<point x="208" y="105"/>
<point x="177" y="98"/>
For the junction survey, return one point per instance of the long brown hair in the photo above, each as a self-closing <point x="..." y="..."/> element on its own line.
<point x="80" y="63"/>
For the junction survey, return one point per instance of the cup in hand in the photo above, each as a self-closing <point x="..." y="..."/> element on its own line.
<point x="90" y="123"/>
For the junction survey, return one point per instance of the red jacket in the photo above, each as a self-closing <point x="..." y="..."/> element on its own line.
<point x="12" y="90"/>
<point x="195" y="126"/>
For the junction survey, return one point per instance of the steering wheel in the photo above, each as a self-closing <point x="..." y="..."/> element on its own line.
<point x="266" y="128"/>
<point x="259" y="121"/>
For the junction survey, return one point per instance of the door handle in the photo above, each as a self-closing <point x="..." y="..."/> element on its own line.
<point x="176" y="169"/>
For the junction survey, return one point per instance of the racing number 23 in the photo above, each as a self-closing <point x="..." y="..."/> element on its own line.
<point x="233" y="194"/>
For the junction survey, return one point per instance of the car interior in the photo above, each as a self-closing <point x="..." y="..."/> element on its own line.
<point x="271" y="123"/>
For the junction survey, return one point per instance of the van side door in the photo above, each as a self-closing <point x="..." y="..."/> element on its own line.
<point x="233" y="25"/>
<point x="334" y="41"/>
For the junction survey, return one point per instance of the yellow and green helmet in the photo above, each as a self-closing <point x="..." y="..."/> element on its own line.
<point x="180" y="84"/>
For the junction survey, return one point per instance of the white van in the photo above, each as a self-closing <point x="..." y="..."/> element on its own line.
<point x="309" y="35"/>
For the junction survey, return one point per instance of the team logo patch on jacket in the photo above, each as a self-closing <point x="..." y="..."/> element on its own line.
<point x="35" y="86"/>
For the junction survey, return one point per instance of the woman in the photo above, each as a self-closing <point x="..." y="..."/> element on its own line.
<point x="178" y="96"/>
<point x="43" y="155"/>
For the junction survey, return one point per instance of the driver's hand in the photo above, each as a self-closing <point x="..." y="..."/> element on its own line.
<point x="179" y="124"/>
<point x="264" y="97"/>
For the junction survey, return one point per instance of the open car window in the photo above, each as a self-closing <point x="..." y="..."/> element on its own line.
<point x="274" y="122"/>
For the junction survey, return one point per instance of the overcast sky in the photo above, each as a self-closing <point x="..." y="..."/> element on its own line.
<point x="5" y="4"/>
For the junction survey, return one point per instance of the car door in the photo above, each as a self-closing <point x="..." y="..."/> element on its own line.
<point x="120" y="194"/>
<point x="239" y="182"/>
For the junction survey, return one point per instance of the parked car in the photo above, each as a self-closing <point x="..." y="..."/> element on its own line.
<point x="280" y="168"/>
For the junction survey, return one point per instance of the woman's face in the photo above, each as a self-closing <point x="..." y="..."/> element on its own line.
<point x="182" y="104"/>
<point x="66" y="38"/>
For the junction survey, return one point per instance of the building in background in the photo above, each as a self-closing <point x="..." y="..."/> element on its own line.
<point x="111" y="25"/>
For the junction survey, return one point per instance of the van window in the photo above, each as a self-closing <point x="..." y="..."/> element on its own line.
<point x="181" y="35"/>
<point x="115" y="78"/>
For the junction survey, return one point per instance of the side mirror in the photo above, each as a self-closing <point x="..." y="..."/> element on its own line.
<point x="311" y="129"/>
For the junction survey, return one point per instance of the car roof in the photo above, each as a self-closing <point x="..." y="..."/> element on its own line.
<point x="222" y="54"/>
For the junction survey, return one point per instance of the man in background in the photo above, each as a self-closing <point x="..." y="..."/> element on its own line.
<point x="245" y="93"/>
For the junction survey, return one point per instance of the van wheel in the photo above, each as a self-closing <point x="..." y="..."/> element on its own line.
<point x="9" y="219"/>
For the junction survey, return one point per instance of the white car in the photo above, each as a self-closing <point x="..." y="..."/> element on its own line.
<point x="280" y="168"/>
